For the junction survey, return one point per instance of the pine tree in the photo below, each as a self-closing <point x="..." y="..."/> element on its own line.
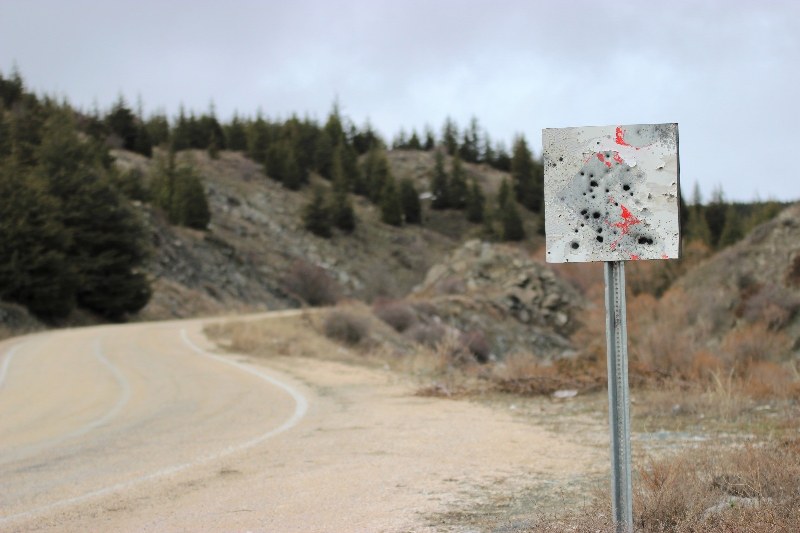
<point x="122" y="123"/>
<point x="414" y="142"/>
<point x="475" y="203"/>
<point x="409" y="198"/>
<point x="236" y="135"/>
<point x="34" y="268"/>
<point x="715" y="215"/>
<point x="510" y="219"/>
<point x="440" y="184"/>
<point x="391" y="207"/>
<point x="342" y="212"/>
<point x="528" y="184"/>
<point x="430" y="141"/>
<point x="317" y="215"/>
<point x="458" y="185"/>
<point x="107" y="248"/>
<point x="177" y="190"/>
<point x="450" y="136"/>
<point x="696" y="224"/>
<point x="733" y="231"/>
<point x="375" y="172"/>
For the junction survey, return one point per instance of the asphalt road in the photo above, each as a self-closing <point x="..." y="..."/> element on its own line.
<point x="88" y="413"/>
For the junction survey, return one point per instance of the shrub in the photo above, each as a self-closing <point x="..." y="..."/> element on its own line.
<point x="399" y="315"/>
<point x="312" y="284"/>
<point x="346" y="327"/>
<point x="476" y="343"/>
<point x="426" y="334"/>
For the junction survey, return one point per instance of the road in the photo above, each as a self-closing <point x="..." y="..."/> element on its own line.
<point x="142" y="428"/>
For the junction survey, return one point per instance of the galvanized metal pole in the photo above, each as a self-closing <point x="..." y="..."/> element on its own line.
<point x="618" y="396"/>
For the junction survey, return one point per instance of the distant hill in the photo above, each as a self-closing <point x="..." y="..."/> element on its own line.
<point x="256" y="239"/>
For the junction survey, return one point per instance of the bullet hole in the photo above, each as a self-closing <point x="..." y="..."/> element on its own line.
<point x="560" y="158"/>
<point x="582" y="173"/>
<point x="616" y="204"/>
<point x="575" y="245"/>
<point x="645" y="240"/>
<point x="596" y="214"/>
<point x="591" y="175"/>
<point x="599" y="238"/>
<point x="593" y="196"/>
<point x="592" y="183"/>
<point x="607" y="191"/>
<point x="582" y="224"/>
<point x="631" y="194"/>
<point x="599" y="230"/>
<point x="608" y="154"/>
<point x="584" y="211"/>
<point x="576" y="230"/>
<point x="626" y="187"/>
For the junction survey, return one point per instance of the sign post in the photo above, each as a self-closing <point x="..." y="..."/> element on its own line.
<point x="612" y="195"/>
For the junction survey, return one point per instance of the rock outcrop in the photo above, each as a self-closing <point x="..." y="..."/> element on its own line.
<point x="518" y="304"/>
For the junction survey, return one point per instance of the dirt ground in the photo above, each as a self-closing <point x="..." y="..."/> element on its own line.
<point x="177" y="442"/>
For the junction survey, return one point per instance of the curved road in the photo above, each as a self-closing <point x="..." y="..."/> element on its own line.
<point x="91" y="412"/>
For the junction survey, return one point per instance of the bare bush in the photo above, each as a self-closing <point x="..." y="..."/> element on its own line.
<point x="345" y="326"/>
<point x="770" y="304"/>
<point x="312" y="284"/>
<point x="426" y="334"/>
<point x="476" y="343"/>
<point x="399" y="315"/>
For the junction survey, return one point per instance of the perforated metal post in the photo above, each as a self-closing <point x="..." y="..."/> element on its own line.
<point x="618" y="396"/>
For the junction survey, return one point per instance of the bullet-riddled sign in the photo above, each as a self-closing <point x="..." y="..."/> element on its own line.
<point x="611" y="193"/>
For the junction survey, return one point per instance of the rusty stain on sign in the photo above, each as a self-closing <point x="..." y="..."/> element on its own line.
<point x="611" y="193"/>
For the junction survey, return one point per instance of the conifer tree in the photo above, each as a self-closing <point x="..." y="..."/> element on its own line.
<point x="440" y="184"/>
<point x="391" y="207"/>
<point x="450" y="136"/>
<point x="342" y="212"/>
<point x="236" y="135"/>
<point x="528" y="183"/>
<point x="733" y="230"/>
<point x="375" y="172"/>
<point x="510" y="219"/>
<point x="430" y="141"/>
<point x="458" y="184"/>
<point x="409" y="198"/>
<point x="177" y="190"/>
<point x="317" y="215"/>
<point x="715" y="215"/>
<point x="107" y="246"/>
<point x="414" y="142"/>
<point x="34" y="268"/>
<point x="696" y="225"/>
<point x="475" y="203"/>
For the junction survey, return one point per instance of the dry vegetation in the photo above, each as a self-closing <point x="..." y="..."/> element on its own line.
<point x="729" y="380"/>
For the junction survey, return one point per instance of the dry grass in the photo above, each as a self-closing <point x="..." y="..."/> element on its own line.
<point x="345" y="326"/>
<point x="754" y="488"/>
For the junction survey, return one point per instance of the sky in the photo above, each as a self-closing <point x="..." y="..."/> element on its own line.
<point x="727" y="72"/>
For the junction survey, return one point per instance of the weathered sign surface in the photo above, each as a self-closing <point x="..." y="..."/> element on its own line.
<point x="611" y="193"/>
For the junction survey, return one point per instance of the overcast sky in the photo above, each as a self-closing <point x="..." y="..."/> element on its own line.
<point x="728" y="72"/>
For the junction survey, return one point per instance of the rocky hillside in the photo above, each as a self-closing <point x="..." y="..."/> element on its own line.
<point x="256" y="240"/>
<point x="497" y="292"/>
<point x="755" y="281"/>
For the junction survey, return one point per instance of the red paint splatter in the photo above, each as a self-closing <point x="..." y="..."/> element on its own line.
<point x="621" y="137"/>
<point x="664" y="256"/>
<point x="602" y="159"/>
<point x="617" y="158"/>
<point x="628" y="220"/>
<point x="635" y="257"/>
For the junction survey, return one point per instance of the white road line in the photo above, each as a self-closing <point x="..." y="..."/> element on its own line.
<point x="301" y="407"/>
<point x="6" y="363"/>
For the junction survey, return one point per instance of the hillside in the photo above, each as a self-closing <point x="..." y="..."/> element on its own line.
<point x="256" y="241"/>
